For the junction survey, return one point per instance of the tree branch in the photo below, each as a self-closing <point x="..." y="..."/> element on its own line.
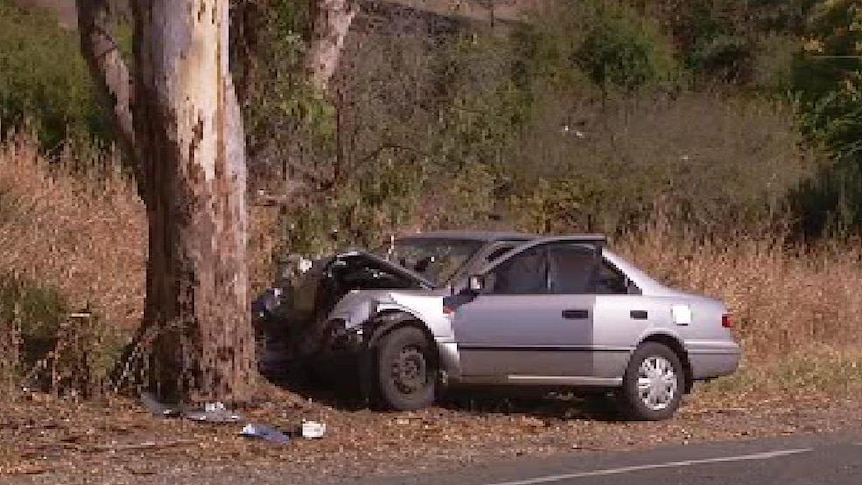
<point x="332" y="19"/>
<point x="108" y="68"/>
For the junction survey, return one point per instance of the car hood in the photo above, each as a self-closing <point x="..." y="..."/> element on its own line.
<point x="373" y="258"/>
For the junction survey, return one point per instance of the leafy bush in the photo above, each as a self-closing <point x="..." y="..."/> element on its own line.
<point x="828" y="82"/>
<point x="773" y="63"/>
<point x="623" y="50"/>
<point x="577" y="119"/>
<point x="36" y="311"/>
<point x="56" y="351"/>
<point x="370" y="205"/>
<point x="714" y="39"/>
<point x="43" y="78"/>
<point x="285" y="119"/>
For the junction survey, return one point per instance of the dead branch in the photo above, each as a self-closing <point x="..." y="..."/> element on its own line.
<point x="107" y="66"/>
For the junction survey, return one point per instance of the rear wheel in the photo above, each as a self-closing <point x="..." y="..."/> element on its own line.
<point x="653" y="384"/>
<point x="406" y="369"/>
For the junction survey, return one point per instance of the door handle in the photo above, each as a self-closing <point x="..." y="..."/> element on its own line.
<point x="576" y="314"/>
<point x="639" y="314"/>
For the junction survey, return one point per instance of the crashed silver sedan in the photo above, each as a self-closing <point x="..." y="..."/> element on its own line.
<point x="501" y="309"/>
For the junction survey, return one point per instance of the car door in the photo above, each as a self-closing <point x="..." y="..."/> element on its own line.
<point x="533" y="321"/>
<point x="621" y="316"/>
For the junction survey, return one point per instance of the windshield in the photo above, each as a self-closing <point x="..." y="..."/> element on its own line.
<point x="436" y="259"/>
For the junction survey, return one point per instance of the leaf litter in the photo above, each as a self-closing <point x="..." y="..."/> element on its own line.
<point x="117" y="439"/>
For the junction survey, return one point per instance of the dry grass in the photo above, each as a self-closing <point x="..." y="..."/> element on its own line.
<point x="787" y="300"/>
<point x="86" y="235"/>
<point x="88" y="239"/>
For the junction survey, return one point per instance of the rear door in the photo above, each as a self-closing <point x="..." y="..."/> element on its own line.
<point x="621" y="316"/>
<point x="533" y="322"/>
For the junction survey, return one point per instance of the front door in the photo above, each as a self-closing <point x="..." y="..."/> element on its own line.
<point x="534" y="320"/>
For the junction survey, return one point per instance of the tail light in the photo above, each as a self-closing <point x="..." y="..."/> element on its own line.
<point x="727" y="321"/>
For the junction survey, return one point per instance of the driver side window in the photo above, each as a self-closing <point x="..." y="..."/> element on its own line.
<point x="523" y="274"/>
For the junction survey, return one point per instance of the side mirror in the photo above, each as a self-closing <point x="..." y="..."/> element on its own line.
<point x="476" y="283"/>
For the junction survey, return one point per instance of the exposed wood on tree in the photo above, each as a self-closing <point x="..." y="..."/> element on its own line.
<point x="188" y="133"/>
<point x="332" y="19"/>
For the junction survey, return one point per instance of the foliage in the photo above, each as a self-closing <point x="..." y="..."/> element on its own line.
<point x="828" y="79"/>
<point x="370" y="205"/>
<point x="41" y="341"/>
<point x="36" y="313"/>
<point x="285" y="119"/>
<point x="729" y="41"/>
<point x="575" y="120"/>
<point x="43" y="78"/>
<point x="623" y="50"/>
<point x="714" y="39"/>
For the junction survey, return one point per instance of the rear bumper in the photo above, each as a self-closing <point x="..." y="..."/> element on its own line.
<point x="714" y="361"/>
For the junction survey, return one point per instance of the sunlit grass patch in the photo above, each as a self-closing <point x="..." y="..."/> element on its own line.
<point x="823" y="372"/>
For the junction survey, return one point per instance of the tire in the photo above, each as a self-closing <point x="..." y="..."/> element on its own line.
<point x="406" y="370"/>
<point x="653" y="384"/>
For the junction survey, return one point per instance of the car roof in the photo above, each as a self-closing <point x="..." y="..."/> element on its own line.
<point x="490" y="236"/>
<point x="487" y="236"/>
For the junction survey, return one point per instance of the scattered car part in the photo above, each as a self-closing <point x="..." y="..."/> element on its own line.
<point x="313" y="429"/>
<point x="215" y="412"/>
<point x="159" y="409"/>
<point x="264" y="432"/>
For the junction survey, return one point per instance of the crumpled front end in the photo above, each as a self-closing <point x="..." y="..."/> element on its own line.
<point x="362" y="314"/>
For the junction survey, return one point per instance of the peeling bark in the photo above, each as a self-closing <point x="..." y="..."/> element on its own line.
<point x="188" y="133"/>
<point x="332" y="19"/>
<point x="178" y="118"/>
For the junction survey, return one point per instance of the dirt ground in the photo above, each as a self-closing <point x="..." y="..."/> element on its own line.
<point x="44" y="439"/>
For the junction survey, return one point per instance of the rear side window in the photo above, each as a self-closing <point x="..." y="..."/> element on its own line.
<point x="572" y="268"/>
<point x="611" y="281"/>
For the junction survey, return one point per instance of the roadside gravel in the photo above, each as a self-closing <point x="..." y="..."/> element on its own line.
<point x="45" y="440"/>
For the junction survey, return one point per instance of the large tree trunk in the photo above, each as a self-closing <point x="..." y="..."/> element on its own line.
<point x="188" y="125"/>
<point x="189" y="145"/>
<point x="180" y="123"/>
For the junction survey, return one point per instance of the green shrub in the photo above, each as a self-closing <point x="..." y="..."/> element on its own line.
<point x="38" y="311"/>
<point x="371" y="205"/>
<point x="828" y="83"/>
<point x="621" y="49"/>
<point x="773" y="63"/>
<point x="56" y="350"/>
<point x="44" y="80"/>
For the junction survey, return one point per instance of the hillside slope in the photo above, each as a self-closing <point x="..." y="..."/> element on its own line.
<point x="64" y="9"/>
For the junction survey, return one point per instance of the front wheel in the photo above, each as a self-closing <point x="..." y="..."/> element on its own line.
<point x="406" y="369"/>
<point x="653" y="384"/>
